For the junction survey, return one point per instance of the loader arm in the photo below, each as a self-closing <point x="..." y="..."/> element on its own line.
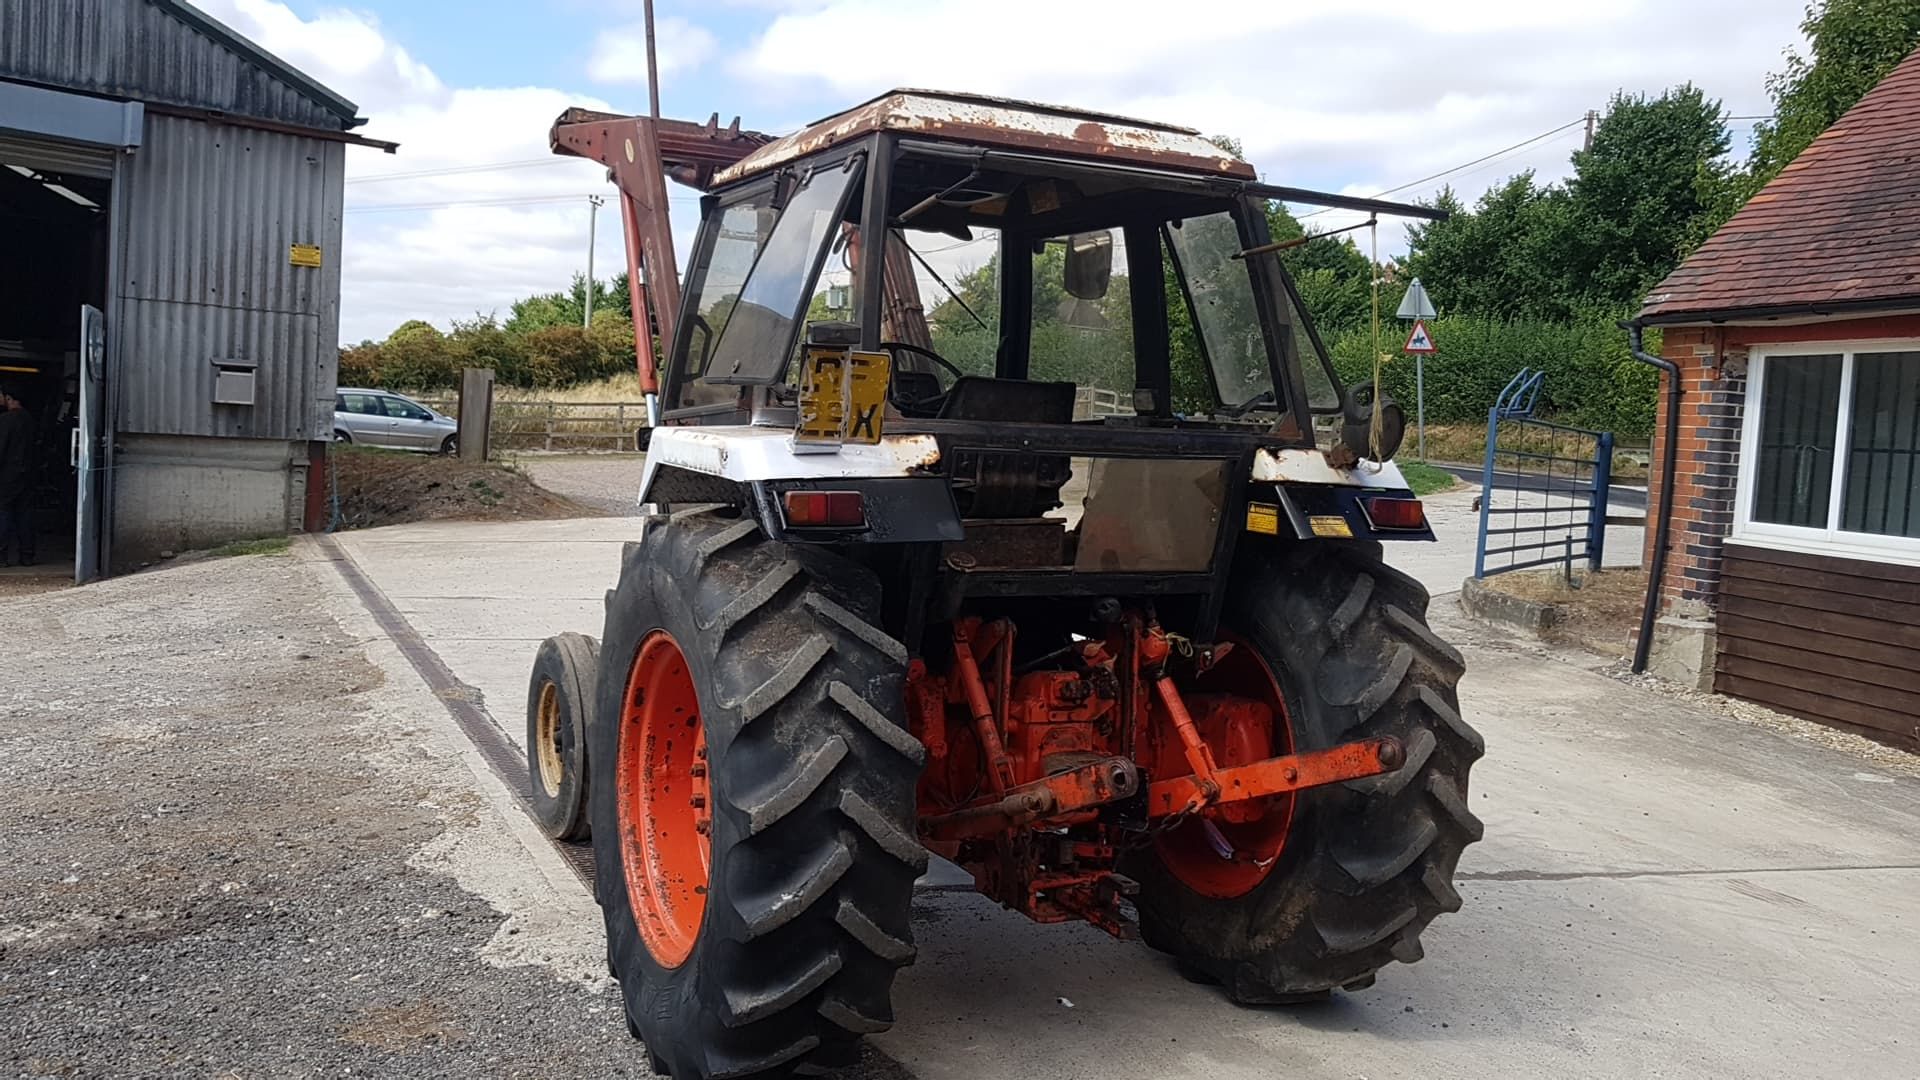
<point x="641" y="153"/>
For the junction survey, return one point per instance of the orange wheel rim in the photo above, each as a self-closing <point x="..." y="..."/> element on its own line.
<point x="662" y="791"/>
<point x="1224" y="853"/>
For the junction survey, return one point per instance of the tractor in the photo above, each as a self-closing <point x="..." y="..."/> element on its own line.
<point x="905" y="585"/>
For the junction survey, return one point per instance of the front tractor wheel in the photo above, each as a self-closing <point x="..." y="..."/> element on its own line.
<point x="752" y="802"/>
<point x="1304" y="894"/>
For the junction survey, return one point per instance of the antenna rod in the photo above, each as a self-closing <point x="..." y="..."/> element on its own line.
<point x="653" y="67"/>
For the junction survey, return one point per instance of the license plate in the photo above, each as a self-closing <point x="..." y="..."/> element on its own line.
<point x="843" y="397"/>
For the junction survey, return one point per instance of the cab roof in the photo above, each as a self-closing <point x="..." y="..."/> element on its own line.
<point x="1002" y="124"/>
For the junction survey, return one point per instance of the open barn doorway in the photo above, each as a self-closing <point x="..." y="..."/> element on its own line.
<point x="53" y="267"/>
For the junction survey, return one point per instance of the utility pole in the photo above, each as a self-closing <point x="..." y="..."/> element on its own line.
<point x="1593" y="117"/>
<point x="594" y="202"/>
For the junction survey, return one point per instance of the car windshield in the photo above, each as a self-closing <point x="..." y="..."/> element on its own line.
<point x="759" y="326"/>
<point x="1221" y="291"/>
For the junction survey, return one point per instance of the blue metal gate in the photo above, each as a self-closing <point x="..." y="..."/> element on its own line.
<point x="1543" y="489"/>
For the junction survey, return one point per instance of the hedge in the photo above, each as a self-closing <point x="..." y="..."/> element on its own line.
<point x="1592" y="378"/>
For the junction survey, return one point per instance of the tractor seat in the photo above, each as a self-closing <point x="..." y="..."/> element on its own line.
<point x="1020" y="401"/>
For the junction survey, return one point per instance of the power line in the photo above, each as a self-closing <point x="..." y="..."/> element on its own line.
<point x="1468" y="165"/>
<point x="459" y="170"/>
<point x="515" y="200"/>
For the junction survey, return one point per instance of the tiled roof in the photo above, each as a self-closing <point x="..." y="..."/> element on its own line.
<point x="1839" y="226"/>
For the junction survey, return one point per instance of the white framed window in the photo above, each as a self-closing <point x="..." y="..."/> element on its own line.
<point x="1830" y="450"/>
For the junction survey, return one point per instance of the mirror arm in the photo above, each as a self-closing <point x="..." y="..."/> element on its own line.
<point x="1282" y="245"/>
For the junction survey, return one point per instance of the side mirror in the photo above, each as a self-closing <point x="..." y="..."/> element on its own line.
<point x="1089" y="264"/>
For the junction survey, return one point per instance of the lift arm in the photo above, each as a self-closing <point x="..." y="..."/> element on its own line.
<point x="640" y="153"/>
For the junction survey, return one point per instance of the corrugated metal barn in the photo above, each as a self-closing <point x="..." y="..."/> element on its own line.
<point x="170" y="308"/>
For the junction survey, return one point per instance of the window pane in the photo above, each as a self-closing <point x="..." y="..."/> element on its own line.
<point x="1798" y="420"/>
<point x="1085" y="341"/>
<point x="1882" y="485"/>
<point x="760" y="325"/>
<point x="740" y="234"/>
<point x="1223" y="307"/>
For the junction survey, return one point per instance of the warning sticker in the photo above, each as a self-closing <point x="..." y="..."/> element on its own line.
<point x="1420" y="341"/>
<point x="303" y="254"/>
<point x="1329" y="525"/>
<point x="1263" y="518"/>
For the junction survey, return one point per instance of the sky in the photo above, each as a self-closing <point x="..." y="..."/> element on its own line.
<point x="1354" y="96"/>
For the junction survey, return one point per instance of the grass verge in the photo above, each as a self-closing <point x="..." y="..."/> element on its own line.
<point x="265" y="545"/>
<point x="1426" y="479"/>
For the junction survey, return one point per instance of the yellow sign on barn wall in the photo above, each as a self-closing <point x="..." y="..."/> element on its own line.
<point x="303" y="254"/>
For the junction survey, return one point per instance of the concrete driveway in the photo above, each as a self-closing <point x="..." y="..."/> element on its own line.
<point x="1664" y="889"/>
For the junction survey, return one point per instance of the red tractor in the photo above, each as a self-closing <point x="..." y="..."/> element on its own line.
<point x="907" y="584"/>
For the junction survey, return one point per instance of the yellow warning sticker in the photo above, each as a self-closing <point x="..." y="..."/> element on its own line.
<point x="303" y="254"/>
<point x="1263" y="518"/>
<point x="1329" y="525"/>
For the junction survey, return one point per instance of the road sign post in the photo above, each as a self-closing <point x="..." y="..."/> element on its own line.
<point x="1417" y="307"/>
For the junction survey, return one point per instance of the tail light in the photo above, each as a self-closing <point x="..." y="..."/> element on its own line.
<point x="825" y="509"/>
<point x="1387" y="513"/>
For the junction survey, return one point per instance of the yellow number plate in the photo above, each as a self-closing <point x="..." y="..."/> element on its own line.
<point x="843" y="397"/>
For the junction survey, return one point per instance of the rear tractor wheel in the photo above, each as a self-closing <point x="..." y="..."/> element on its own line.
<point x="752" y="802"/>
<point x="559" y="708"/>
<point x="1285" y="902"/>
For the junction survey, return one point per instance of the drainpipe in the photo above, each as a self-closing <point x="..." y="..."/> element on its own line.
<point x="1663" y="523"/>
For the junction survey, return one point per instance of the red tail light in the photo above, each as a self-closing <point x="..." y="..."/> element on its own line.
<point x="1395" y="513"/>
<point x="829" y="509"/>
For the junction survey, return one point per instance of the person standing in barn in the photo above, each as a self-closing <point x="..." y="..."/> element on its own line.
<point x="16" y="479"/>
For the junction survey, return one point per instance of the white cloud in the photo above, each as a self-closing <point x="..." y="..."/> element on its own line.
<point x="455" y="258"/>
<point x="1365" y="94"/>
<point x="1349" y="95"/>
<point x="620" y="54"/>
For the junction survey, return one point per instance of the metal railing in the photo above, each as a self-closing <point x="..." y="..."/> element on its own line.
<point x="1550" y="499"/>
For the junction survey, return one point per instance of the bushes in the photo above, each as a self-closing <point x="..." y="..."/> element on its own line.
<point x="1592" y="379"/>
<point x="419" y="357"/>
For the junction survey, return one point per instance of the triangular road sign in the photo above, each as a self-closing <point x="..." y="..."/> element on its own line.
<point x="1420" y="341"/>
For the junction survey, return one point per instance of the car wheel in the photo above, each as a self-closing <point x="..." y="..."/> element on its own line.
<point x="450" y="445"/>
<point x="340" y="435"/>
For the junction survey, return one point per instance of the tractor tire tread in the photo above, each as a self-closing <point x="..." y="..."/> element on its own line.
<point x="813" y="776"/>
<point x="1370" y="862"/>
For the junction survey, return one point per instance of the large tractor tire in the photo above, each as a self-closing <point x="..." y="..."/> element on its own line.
<point x="559" y="708"/>
<point x="752" y="801"/>
<point x="1352" y="873"/>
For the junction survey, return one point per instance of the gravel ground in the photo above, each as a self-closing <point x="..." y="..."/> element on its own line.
<point x="232" y="847"/>
<point x="607" y="482"/>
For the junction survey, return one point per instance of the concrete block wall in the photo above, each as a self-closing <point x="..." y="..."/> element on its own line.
<point x="183" y="492"/>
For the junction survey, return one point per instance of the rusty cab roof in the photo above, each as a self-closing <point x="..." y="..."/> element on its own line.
<point x="1002" y="124"/>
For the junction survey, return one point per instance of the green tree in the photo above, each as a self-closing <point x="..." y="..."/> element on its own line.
<point x="1497" y="258"/>
<point x="1634" y="200"/>
<point x="1854" y="44"/>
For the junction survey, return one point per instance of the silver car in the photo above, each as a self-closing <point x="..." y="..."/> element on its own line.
<point x="382" y="418"/>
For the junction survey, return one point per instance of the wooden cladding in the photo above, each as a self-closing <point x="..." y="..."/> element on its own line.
<point x="1832" y="639"/>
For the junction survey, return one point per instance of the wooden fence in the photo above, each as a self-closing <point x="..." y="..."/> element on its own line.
<point x="610" y="425"/>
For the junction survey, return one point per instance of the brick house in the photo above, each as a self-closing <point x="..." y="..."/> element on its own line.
<point x="1793" y="561"/>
